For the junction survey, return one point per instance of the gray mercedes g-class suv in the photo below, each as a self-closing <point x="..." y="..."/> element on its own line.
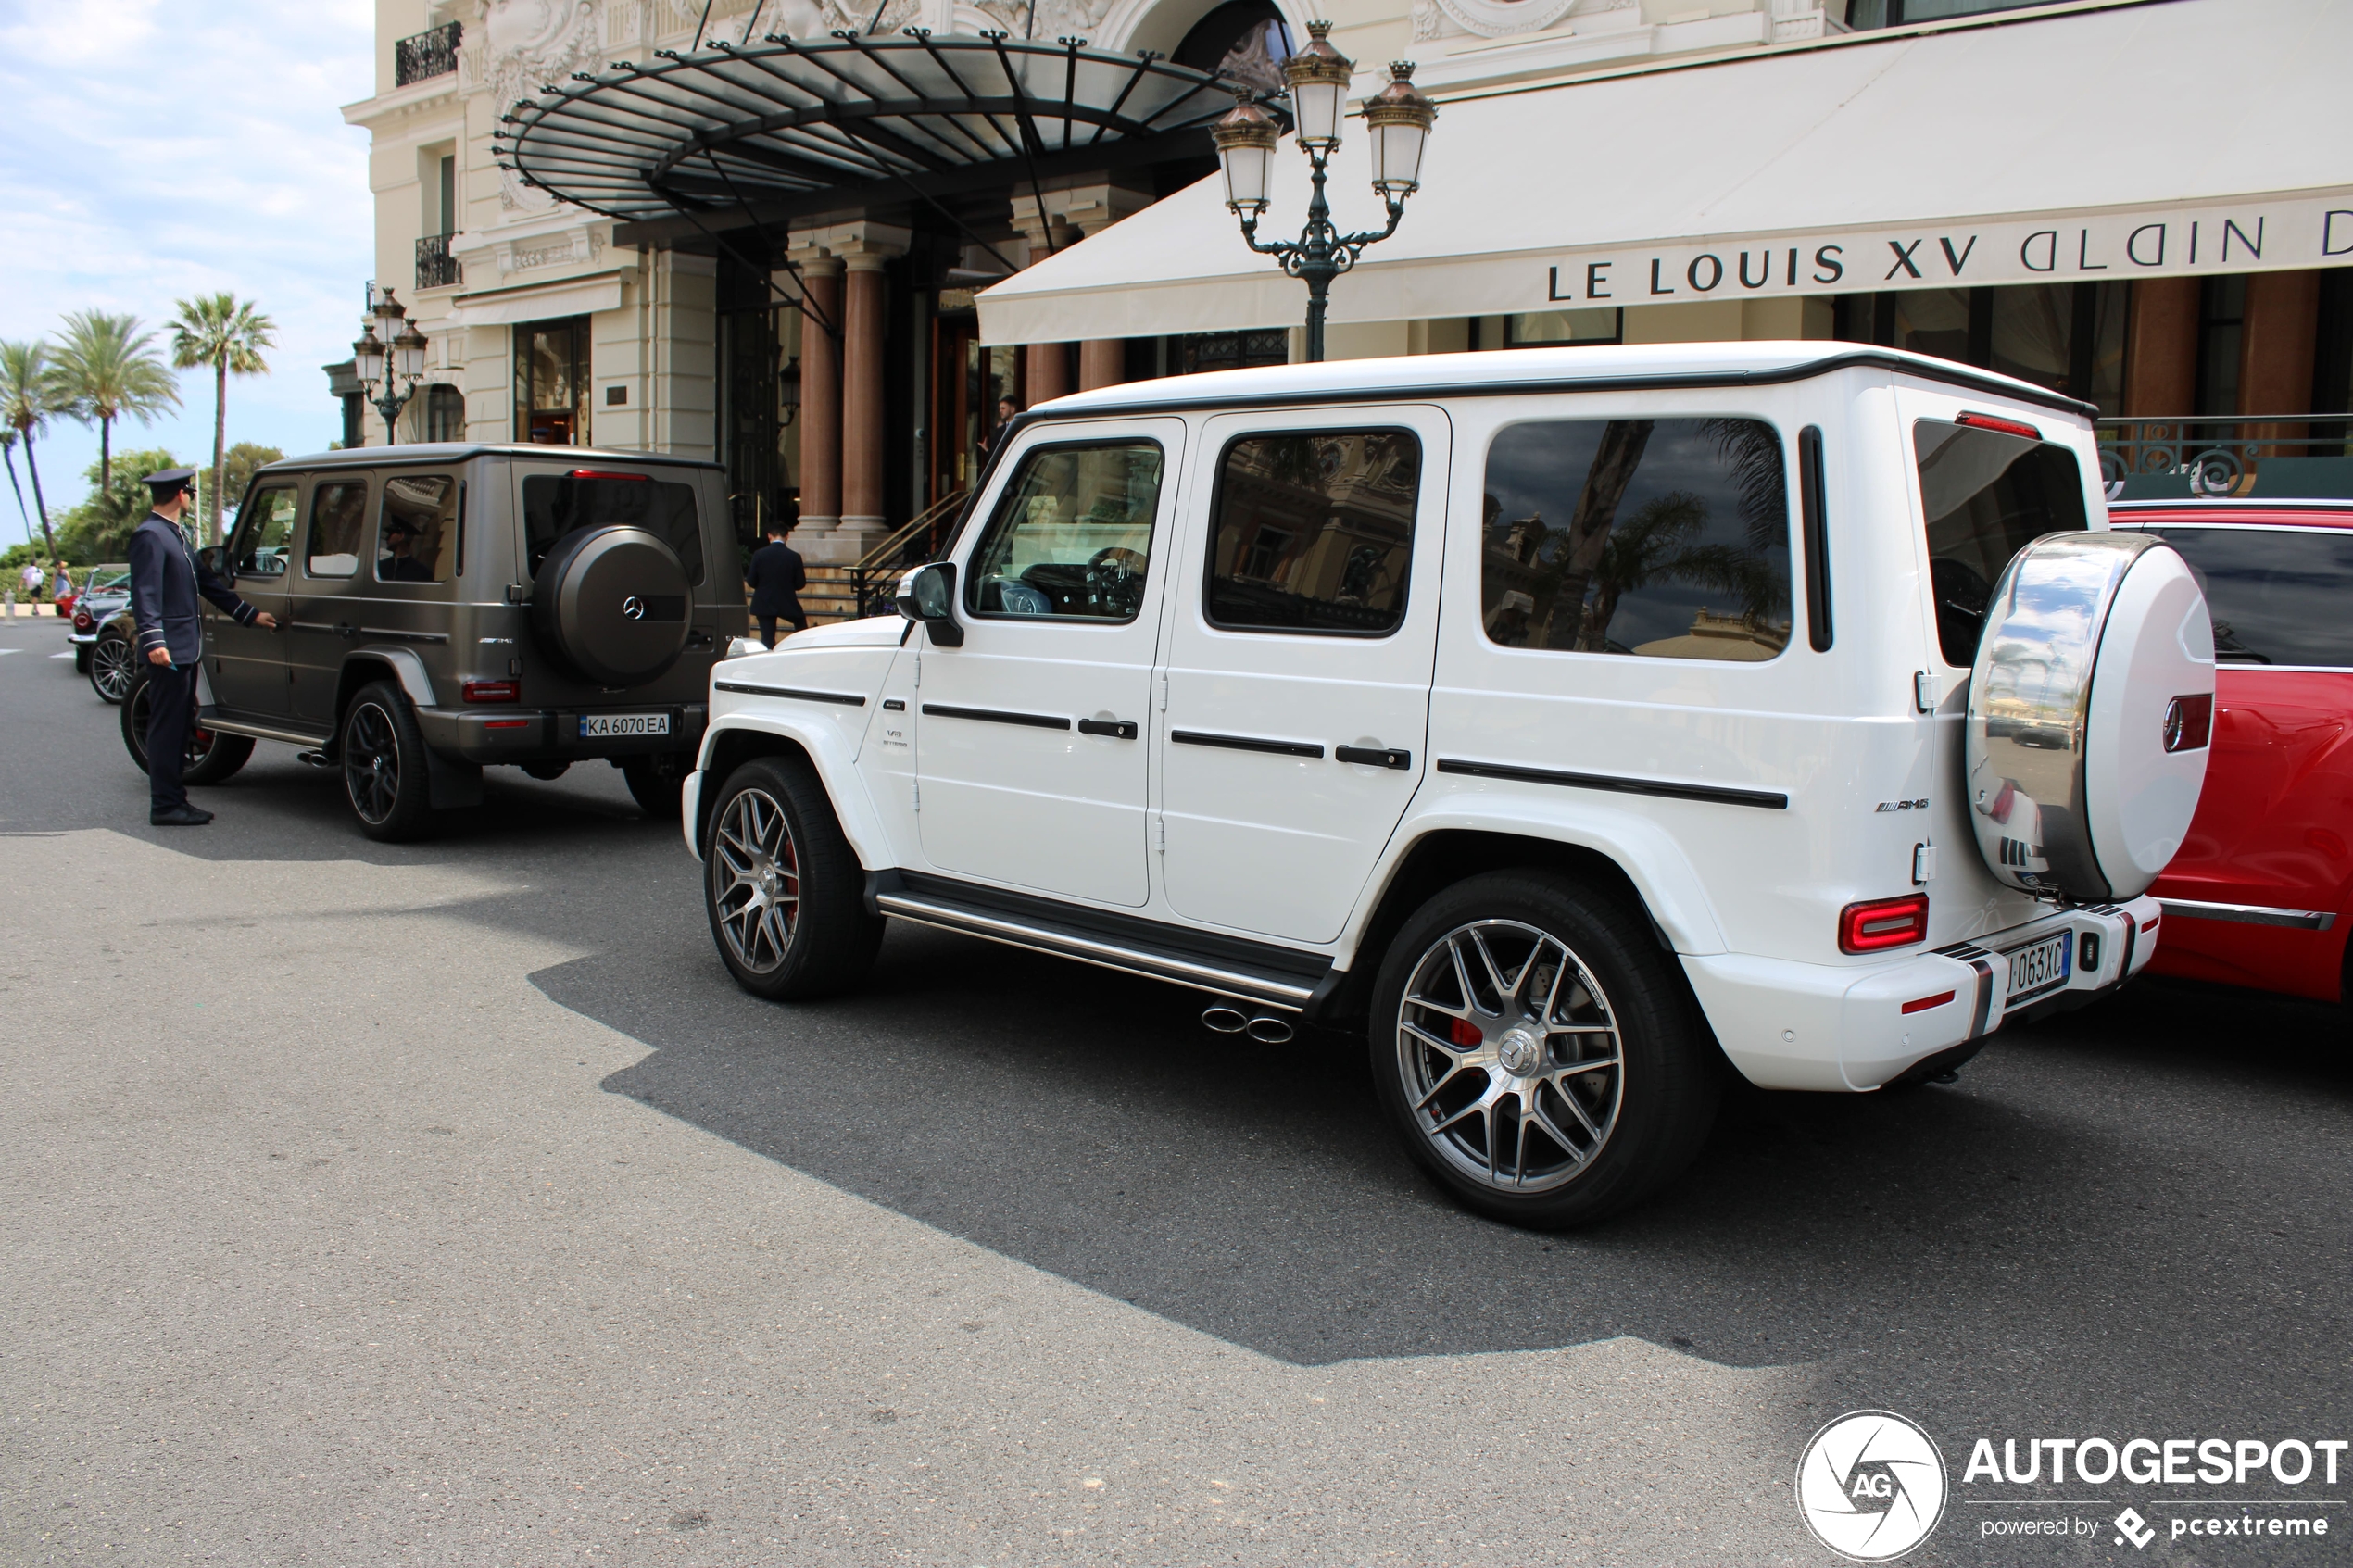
<point x="446" y="608"/>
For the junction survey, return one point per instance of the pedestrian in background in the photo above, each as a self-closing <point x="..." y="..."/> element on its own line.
<point x="61" y="591"/>
<point x="166" y="577"/>
<point x="776" y="577"/>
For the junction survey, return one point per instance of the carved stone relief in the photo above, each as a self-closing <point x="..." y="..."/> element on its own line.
<point x="1053" y="19"/>
<point x="1506" y="19"/>
<point x="530" y="44"/>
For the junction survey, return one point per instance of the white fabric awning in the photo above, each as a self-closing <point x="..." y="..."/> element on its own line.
<point x="2170" y="137"/>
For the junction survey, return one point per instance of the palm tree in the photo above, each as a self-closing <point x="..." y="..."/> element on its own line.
<point x="106" y="370"/>
<point x="229" y="334"/>
<point x="8" y="452"/>
<point x="28" y="398"/>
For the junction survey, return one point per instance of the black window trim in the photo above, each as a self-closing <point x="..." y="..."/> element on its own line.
<point x="1413" y="534"/>
<point x="971" y="587"/>
<point x="1814" y="530"/>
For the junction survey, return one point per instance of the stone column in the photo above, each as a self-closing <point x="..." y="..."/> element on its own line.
<point x="1103" y="361"/>
<point x="1070" y="216"/>
<point x="820" y="420"/>
<point x="2160" y="350"/>
<point x="865" y="248"/>
<point x="2277" y="344"/>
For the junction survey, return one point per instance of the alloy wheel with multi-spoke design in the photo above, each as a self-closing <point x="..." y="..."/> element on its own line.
<point x="1510" y="1056"/>
<point x="112" y="667"/>
<point x="371" y="763"/>
<point x="755" y="881"/>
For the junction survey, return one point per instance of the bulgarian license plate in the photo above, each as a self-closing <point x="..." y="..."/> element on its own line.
<point x="610" y="726"/>
<point x="2040" y="966"/>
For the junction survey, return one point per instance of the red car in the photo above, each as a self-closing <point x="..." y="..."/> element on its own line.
<point x="2262" y="889"/>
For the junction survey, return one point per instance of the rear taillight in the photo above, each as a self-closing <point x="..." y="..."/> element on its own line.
<point x="491" y="691"/>
<point x="81" y="623"/>
<point x="1882" y="923"/>
<point x="2189" y="723"/>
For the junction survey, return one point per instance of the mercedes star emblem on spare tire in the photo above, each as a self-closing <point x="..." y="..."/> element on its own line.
<point x="633" y="607"/>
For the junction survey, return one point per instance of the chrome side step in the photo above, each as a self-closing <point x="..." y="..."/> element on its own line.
<point x="234" y="724"/>
<point x="1133" y="957"/>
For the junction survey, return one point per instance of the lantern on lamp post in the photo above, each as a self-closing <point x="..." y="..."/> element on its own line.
<point x="1398" y="118"/>
<point x="390" y="352"/>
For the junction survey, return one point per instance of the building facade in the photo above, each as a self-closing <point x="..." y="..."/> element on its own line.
<point x="833" y="309"/>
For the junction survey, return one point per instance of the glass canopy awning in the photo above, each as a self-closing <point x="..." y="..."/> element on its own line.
<point x="733" y="125"/>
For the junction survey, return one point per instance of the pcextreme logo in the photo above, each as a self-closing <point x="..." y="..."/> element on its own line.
<point x="1871" y="1485"/>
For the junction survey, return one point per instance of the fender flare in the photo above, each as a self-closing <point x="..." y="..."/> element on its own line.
<point x="836" y="769"/>
<point x="406" y="666"/>
<point x="1650" y="855"/>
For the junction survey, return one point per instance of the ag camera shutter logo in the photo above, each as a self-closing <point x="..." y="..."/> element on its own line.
<point x="1871" y="1485"/>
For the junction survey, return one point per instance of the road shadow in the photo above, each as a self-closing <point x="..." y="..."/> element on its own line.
<point x="2027" y="1217"/>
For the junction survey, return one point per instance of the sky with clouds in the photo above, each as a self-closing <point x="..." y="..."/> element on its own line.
<point x="152" y="151"/>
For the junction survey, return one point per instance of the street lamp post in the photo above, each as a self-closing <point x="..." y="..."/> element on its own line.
<point x="1398" y="118"/>
<point x="399" y="367"/>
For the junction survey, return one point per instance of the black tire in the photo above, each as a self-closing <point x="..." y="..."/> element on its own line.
<point x="1638" y="1119"/>
<point x="778" y="860"/>
<point x="209" y="756"/>
<point x="386" y="775"/>
<point x="82" y="658"/>
<point x="657" y="792"/>
<point x="113" y="666"/>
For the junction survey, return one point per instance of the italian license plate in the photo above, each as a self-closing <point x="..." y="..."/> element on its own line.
<point x="2040" y="966"/>
<point x="610" y="726"/>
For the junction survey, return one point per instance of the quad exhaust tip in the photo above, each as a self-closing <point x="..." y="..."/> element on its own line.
<point x="1266" y="1028"/>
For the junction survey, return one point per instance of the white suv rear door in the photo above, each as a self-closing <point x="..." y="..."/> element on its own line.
<point x="1030" y="737"/>
<point x="1304" y="620"/>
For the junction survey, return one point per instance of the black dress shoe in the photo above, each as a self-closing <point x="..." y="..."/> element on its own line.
<point x="181" y="816"/>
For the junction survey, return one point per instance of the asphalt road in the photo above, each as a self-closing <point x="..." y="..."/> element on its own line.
<point x="446" y="1202"/>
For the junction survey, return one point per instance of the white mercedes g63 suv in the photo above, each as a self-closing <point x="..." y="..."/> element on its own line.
<point x="1575" y="721"/>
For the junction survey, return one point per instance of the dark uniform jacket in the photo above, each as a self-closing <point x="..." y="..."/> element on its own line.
<point x="166" y="577"/>
<point x="776" y="578"/>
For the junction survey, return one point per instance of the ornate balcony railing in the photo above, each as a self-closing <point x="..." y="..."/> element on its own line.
<point x="426" y="56"/>
<point x="436" y="269"/>
<point x="2257" y="455"/>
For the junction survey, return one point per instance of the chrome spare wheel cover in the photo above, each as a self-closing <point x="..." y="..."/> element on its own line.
<point x="755" y="881"/>
<point x="371" y="763"/>
<point x="1510" y="1056"/>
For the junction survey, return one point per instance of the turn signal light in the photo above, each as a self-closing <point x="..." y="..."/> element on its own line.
<point x="491" y="691"/>
<point x="1882" y="923"/>
<point x="2189" y="723"/>
<point x="2007" y="427"/>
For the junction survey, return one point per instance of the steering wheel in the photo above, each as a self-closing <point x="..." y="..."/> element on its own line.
<point x="1115" y="578"/>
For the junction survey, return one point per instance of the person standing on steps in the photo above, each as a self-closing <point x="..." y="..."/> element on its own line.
<point x="776" y="578"/>
<point x="166" y="577"/>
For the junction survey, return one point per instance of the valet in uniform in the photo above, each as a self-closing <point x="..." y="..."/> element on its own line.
<point x="166" y="577"/>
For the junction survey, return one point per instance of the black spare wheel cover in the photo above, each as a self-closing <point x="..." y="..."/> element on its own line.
<point x="612" y="602"/>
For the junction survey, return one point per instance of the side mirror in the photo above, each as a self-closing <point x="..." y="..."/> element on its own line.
<point x="215" y="558"/>
<point x="928" y="594"/>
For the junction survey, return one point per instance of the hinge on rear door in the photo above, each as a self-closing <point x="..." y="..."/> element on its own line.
<point x="1924" y="690"/>
<point x="1923" y="864"/>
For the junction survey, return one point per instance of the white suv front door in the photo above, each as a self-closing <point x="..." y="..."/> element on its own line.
<point x="1029" y="738"/>
<point x="1300" y="643"/>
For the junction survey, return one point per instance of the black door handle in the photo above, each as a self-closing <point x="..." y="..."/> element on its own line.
<point x="1118" y="728"/>
<point x="1375" y="757"/>
<point x="344" y="628"/>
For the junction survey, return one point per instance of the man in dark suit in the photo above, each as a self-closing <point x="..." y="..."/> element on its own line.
<point x="776" y="578"/>
<point x="166" y="577"/>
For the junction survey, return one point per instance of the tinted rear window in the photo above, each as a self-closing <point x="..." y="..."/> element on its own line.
<point x="1664" y="538"/>
<point x="555" y="505"/>
<point x="1987" y="494"/>
<point x="2278" y="595"/>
